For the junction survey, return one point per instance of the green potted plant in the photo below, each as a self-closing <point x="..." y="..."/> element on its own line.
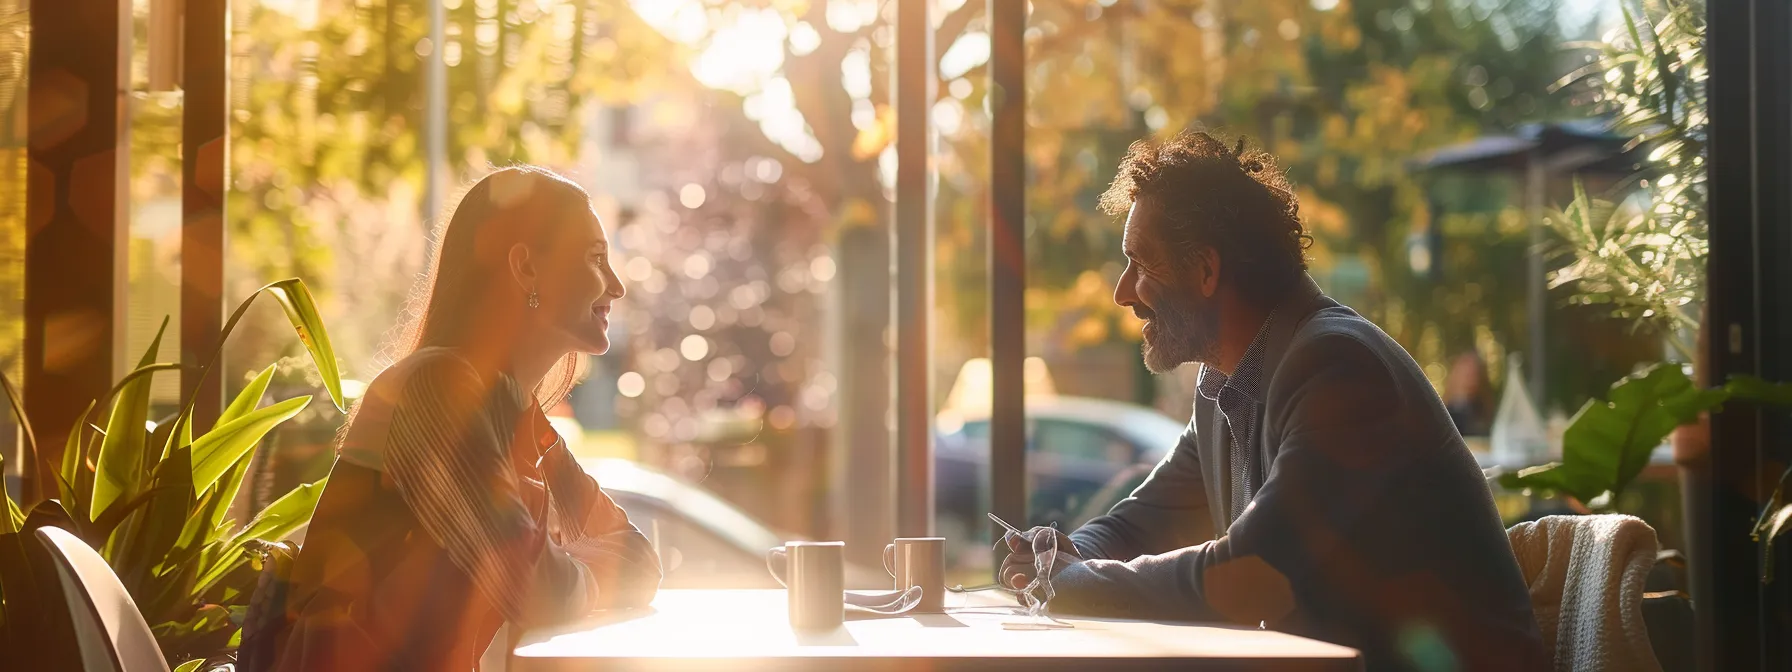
<point x="1645" y="259"/>
<point x="153" y="499"/>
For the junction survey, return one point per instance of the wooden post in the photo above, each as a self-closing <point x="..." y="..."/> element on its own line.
<point x="75" y="214"/>
<point x="204" y="166"/>
<point x="1741" y="622"/>
<point x="1007" y="261"/>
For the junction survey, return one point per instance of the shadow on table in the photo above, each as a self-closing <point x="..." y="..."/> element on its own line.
<point x="835" y="637"/>
<point x="939" y="621"/>
<point x="926" y="620"/>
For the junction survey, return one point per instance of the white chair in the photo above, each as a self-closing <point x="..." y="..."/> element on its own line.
<point x="109" y="629"/>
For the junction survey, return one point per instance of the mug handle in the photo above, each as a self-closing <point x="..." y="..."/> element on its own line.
<point x="890" y="559"/>
<point x="768" y="564"/>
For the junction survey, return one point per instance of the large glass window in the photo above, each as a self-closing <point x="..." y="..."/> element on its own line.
<point x="740" y="156"/>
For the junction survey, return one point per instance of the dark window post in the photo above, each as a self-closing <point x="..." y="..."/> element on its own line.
<point x="75" y="214"/>
<point x="1741" y="622"/>
<point x="204" y="161"/>
<point x="1007" y="260"/>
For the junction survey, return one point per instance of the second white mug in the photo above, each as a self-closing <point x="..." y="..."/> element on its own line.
<point x="919" y="561"/>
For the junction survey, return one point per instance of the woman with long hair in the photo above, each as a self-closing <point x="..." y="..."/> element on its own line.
<point x="453" y="506"/>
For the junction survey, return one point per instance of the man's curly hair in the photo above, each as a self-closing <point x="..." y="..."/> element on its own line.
<point x="1233" y="200"/>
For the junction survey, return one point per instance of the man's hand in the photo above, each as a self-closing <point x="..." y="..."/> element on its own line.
<point x="1024" y="551"/>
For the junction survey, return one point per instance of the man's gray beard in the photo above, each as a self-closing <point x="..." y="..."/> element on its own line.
<point x="1181" y="334"/>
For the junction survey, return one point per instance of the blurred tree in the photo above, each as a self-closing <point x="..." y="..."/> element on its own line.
<point x="327" y="166"/>
<point x="1345" y="93"/>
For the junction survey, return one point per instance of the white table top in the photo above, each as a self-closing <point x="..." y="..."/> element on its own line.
<point x="749" y="629"/>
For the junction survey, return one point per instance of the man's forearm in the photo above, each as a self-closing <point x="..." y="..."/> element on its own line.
<point x="1102" y="538"/>
<point x="1147" y="586"/>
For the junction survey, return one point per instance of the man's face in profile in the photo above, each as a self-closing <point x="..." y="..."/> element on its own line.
<point x="1181" y="317"/>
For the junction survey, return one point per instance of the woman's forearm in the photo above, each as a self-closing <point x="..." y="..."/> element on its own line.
<point x="624" y="565"/>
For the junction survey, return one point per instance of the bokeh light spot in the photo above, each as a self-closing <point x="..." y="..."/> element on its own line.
<point x="692" y="196"/>
<point x="782" y="344"/>
<point x="694" y="347"/>
<point x="631" y="384"/>
<point x="702" y="318"/>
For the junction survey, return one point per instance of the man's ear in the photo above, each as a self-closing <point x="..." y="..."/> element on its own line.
<point x="522" y="267"/>
<point x="1207" y="277"/>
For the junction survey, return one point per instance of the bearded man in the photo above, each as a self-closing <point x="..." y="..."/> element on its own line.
<point x="1320" y="488"/>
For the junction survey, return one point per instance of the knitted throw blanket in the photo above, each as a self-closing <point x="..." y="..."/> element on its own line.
<point x="1586" y="575"/>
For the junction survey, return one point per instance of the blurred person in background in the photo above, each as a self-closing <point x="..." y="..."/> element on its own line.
<point x="1320" y="488"/>
<point x="454" y="507"/>
<point x="1468" y="396"/>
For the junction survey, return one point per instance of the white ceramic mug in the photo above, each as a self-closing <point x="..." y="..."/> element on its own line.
<point x="815" y="578"/>
<point x="919" y="562"/>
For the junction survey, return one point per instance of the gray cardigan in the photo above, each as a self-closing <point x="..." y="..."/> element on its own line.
<point x="1374" y="527"/>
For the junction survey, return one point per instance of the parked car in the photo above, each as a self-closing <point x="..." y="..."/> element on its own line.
<point x="704" y="541"/>
<point x="1082" y="456"/>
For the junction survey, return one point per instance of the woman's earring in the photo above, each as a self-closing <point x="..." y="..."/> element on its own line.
<point x="534" y="300"/>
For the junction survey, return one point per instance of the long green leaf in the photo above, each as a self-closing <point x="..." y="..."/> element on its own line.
<point x="1776" y="523"/>
<point x="171" y="595"/>
<point x="107" y="526"/>
<point x="82" y="507"/>
<point x="1649" y="406"/>
<point x="232" y="481"/>
<point x="1754" y="389"/>
<point x="228" y="486"/>
<point x="283" y="516"/>
<point x="220" y="448"/>
<point x="1636" y="40"/>
<point x="73" y="461"/>
<point x="1665" y="70"/>
<point x="301" y="310"/>
<point x="122" y="465"/>
<point x="1576" y="480"/>
<point x="249" y="398"/>
<point x="139" y="372"/>
<point x="193" y="535"/>
<point x="218" y="560"/>
<point x="237" y="582"/>
<point x="190" y="666"/>
<point x="161" y="521"/>
<point x="205" y="630"/>
<point x="161" y="439"/>
<point x="17" y="403"/>
<point x="13" y="518"/>
<point x="1776" y="519"/>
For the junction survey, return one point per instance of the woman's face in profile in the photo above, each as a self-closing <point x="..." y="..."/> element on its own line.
<point x="578" y="285"/>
